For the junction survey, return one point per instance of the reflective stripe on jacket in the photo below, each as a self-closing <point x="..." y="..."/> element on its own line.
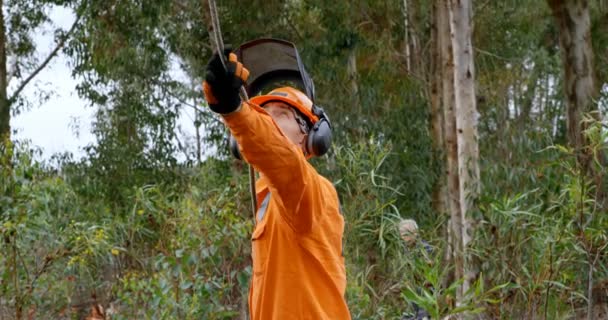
<point x="298" y="267"/>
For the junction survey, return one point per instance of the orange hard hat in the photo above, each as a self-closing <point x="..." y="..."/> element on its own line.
<point x="291" y="96"/>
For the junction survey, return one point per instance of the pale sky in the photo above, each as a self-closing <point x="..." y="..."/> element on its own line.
<point x="51" y="125"/>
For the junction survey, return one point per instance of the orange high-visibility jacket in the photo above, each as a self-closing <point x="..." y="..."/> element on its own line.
<point x="298" y="266"/>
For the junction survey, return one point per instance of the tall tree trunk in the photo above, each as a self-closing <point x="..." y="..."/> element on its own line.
<point x="5" y="107"/>
<point x="197" y="128"/>
<point x="580" y="88"/>
<point x="573" y="21"/>
<point x="449" y="117"/>
<point x="466" y="128"/>
<point x="543" y="99"/>
<point x="353" y="77"/>
<point x="413" y="59"/>
<point x="406" y="44"/>
<point x="528" y="96"/>
<point x="439" y="196"/>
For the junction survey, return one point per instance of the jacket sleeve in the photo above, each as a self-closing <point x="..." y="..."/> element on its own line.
<point x="284" y="165"/>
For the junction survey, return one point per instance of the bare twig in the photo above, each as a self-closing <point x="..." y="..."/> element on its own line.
<point x="494" y="55"/>
<point x="590" y="281"/>
<point x="46" y="61"/>
<point x="182" y="148"/>
<point x="294" y="29"/>
<point x="48" y="260"/>
<point x="480" y="8"/>
<point x="27" y="272"/>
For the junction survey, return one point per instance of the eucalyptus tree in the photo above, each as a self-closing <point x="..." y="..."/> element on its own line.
<point x="581" y="92"/>
<point x="581" y="89"/>
<point x="445" y="134"/>
<point x="466" y="128"/>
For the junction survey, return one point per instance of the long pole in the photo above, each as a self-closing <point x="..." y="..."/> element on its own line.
<point x="218" y="42"/>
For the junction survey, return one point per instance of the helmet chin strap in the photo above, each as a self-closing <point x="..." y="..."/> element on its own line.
<point x="301" y="122"/>
<point x="303" y="144"/>
<point x="304" y="129"/>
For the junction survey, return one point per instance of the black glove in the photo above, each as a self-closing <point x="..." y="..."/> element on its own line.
<point x="222" y="85"/>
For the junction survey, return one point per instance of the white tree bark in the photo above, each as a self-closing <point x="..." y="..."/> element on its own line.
<point x="466" y="127"/>
<point x="406" y="20"/>
<point x="353" y="77"/>
<point x="580" y="85"/>
<point x="5" y="113"/>
<point x="574" y="23"/>
<point x="411" y="41"/>
<point x="454" y="252"/>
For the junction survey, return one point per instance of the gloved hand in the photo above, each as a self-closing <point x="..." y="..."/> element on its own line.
<point x="222" y="85"/>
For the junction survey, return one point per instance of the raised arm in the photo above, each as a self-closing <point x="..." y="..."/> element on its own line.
<point x="263" y="144"/>
<point x="283" y="163"/>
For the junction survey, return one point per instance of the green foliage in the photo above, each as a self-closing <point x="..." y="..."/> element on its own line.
<point x="164" y="255"/>
<point x="373" y="217"/>
<point x="38" y="234"/>
<point x="371" y="241"/>
<point x="201" y="267"/>
<point x="539" y="240"/>
<point x="147" y="236"/>
<point x="430" y="295"/>
<point x="171" y="254"/>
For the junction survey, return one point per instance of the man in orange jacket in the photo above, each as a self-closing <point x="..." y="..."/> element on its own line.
<point x="298" y="267"/>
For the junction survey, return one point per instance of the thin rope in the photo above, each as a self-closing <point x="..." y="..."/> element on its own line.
<point x="216" y="35"/>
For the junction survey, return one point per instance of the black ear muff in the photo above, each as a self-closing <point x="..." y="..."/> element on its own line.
<point x="234" y="147"/>
<point x="319" y="137"/>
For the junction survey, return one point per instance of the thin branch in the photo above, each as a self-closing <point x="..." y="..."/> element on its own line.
<point x="46" y="61"/>
<point x="295" y="30"/>
<point x="480" y="8"/>
<point x="198" y="110"/>
<point x="495" y="55"/>
<point x="48" y="260"/>
<point x="184" y="8"/>
<point x="27" y="272"/>
<point x="181" y="148"/>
